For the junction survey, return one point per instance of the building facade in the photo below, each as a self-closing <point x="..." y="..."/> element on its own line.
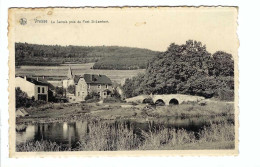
<point x="89" y="83"/>
<point x="33" y="88"/>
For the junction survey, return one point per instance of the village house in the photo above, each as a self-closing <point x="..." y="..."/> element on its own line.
<point x="88" y="83"/>
<point x="34" y="89"/>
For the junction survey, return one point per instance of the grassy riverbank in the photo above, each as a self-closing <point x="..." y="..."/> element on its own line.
<point x="103" y="137"/>
<point x="113" y="111"/>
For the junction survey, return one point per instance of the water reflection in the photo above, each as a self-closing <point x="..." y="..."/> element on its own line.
<point x="68" y="134"/>
<point x="27" y="134"/>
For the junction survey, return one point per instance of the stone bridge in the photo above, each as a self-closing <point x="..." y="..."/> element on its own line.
<point x="165" y="99"/>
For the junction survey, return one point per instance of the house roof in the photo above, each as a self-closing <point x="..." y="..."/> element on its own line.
<point x="35" y="82"/>
<point x="93" y="78"/>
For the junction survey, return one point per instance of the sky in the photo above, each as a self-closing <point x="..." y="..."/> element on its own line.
<point x="151" y="28"/>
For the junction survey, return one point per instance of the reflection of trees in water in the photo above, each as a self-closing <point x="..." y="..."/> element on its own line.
<point x="62" y="133"/>
<point x="68" y="134"/>
<point x="26" y="135"/>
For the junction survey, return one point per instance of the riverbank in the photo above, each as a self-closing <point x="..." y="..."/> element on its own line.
<point x="121" y="126"/>
<point x="103" y="137"/>
<point x="69" y="112"/>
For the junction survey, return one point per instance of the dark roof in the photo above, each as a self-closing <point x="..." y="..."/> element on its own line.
<point x="93" y="78"/>
<point x="35" y="82"/>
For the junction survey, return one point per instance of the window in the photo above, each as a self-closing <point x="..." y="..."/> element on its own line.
<point x="88" y="86"/>
<point x="106" y="86"/>
<point x="105" y="93"/>
<point x="43" y="90"/>
<point x="99" y="86"/>
<point x="99" y="94"/>
<point x="39" y="90"/>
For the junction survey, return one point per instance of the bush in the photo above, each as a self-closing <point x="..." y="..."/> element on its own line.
<point x="92" y="95"/>
<point x="38" y="103"/>
<point x="71" y="89"/>
<point x="226" y="94"/>
<point x="22" y="100"/>
<point x="112" y="100"/>
<point x="92" y="100"/>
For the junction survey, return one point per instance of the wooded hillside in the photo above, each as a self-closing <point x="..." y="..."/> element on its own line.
<point x="106" y="57"/>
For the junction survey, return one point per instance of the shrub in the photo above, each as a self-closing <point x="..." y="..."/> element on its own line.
<point x="71" y="89"/>
<point x="112" y="100"/>
<point x="92" y="100"/>
<point x="92" y="95"/>
<point x="226" y="94"/>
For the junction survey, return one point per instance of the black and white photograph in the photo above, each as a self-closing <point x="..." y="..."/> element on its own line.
<point x="107" y="80"/>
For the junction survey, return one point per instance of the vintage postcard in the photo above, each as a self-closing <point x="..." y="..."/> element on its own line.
<point x="146" y="81"/>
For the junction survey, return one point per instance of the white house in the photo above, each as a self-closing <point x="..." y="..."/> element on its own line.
<point x="33" y="88"/>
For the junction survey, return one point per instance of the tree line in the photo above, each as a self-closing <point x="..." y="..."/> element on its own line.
<point x="104" y="57"/>
<point x="186" y="69"/>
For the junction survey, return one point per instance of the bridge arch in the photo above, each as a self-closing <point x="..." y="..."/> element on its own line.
<point x="174" y="101"/>
<point x="159" y="102"/>
<point x="147" y="101"/>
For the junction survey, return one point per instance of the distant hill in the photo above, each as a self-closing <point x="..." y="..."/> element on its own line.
<point x="104" y="57"/>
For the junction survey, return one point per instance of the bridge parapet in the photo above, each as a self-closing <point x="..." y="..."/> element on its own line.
<point x="171" y="98"/>
<point x="166" y="98"/>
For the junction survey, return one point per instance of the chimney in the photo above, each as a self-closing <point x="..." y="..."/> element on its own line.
<point x="37" y="78"/>
<point x="25" y="77"/>
<point x="43" y="77"/>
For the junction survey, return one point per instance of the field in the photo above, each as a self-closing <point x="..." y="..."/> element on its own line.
<point x="77" y="69"/>
<point x="112" y="126"/>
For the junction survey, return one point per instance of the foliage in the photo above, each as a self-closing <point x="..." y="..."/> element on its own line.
<point x="115" y="93"/>
<point x="71" y="89"/>
<point x="92" y="95"/>
<point x="22" y="99"/>
<point x="118" y="136"/>
<point x="186" y="69"/>
<point x="104" y="57"/>
<point x="59" y="91"/>
<point x="223" y="64"/>
<point x="112" y="99"/>
<point x="43" y="145"/>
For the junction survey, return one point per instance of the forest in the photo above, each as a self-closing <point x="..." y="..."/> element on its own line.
<point x="104" y="57"/>
<point x="186" y="69"/>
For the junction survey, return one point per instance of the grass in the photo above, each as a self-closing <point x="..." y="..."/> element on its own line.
<point x="72" y="111"/>
<point x="107" y="137"/>
<point x="102" y="136"/>
<point x="36" y="146"/>
<point x="196" y="110"/>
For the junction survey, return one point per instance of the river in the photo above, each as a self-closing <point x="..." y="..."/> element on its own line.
<point x="69" y="133"/>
